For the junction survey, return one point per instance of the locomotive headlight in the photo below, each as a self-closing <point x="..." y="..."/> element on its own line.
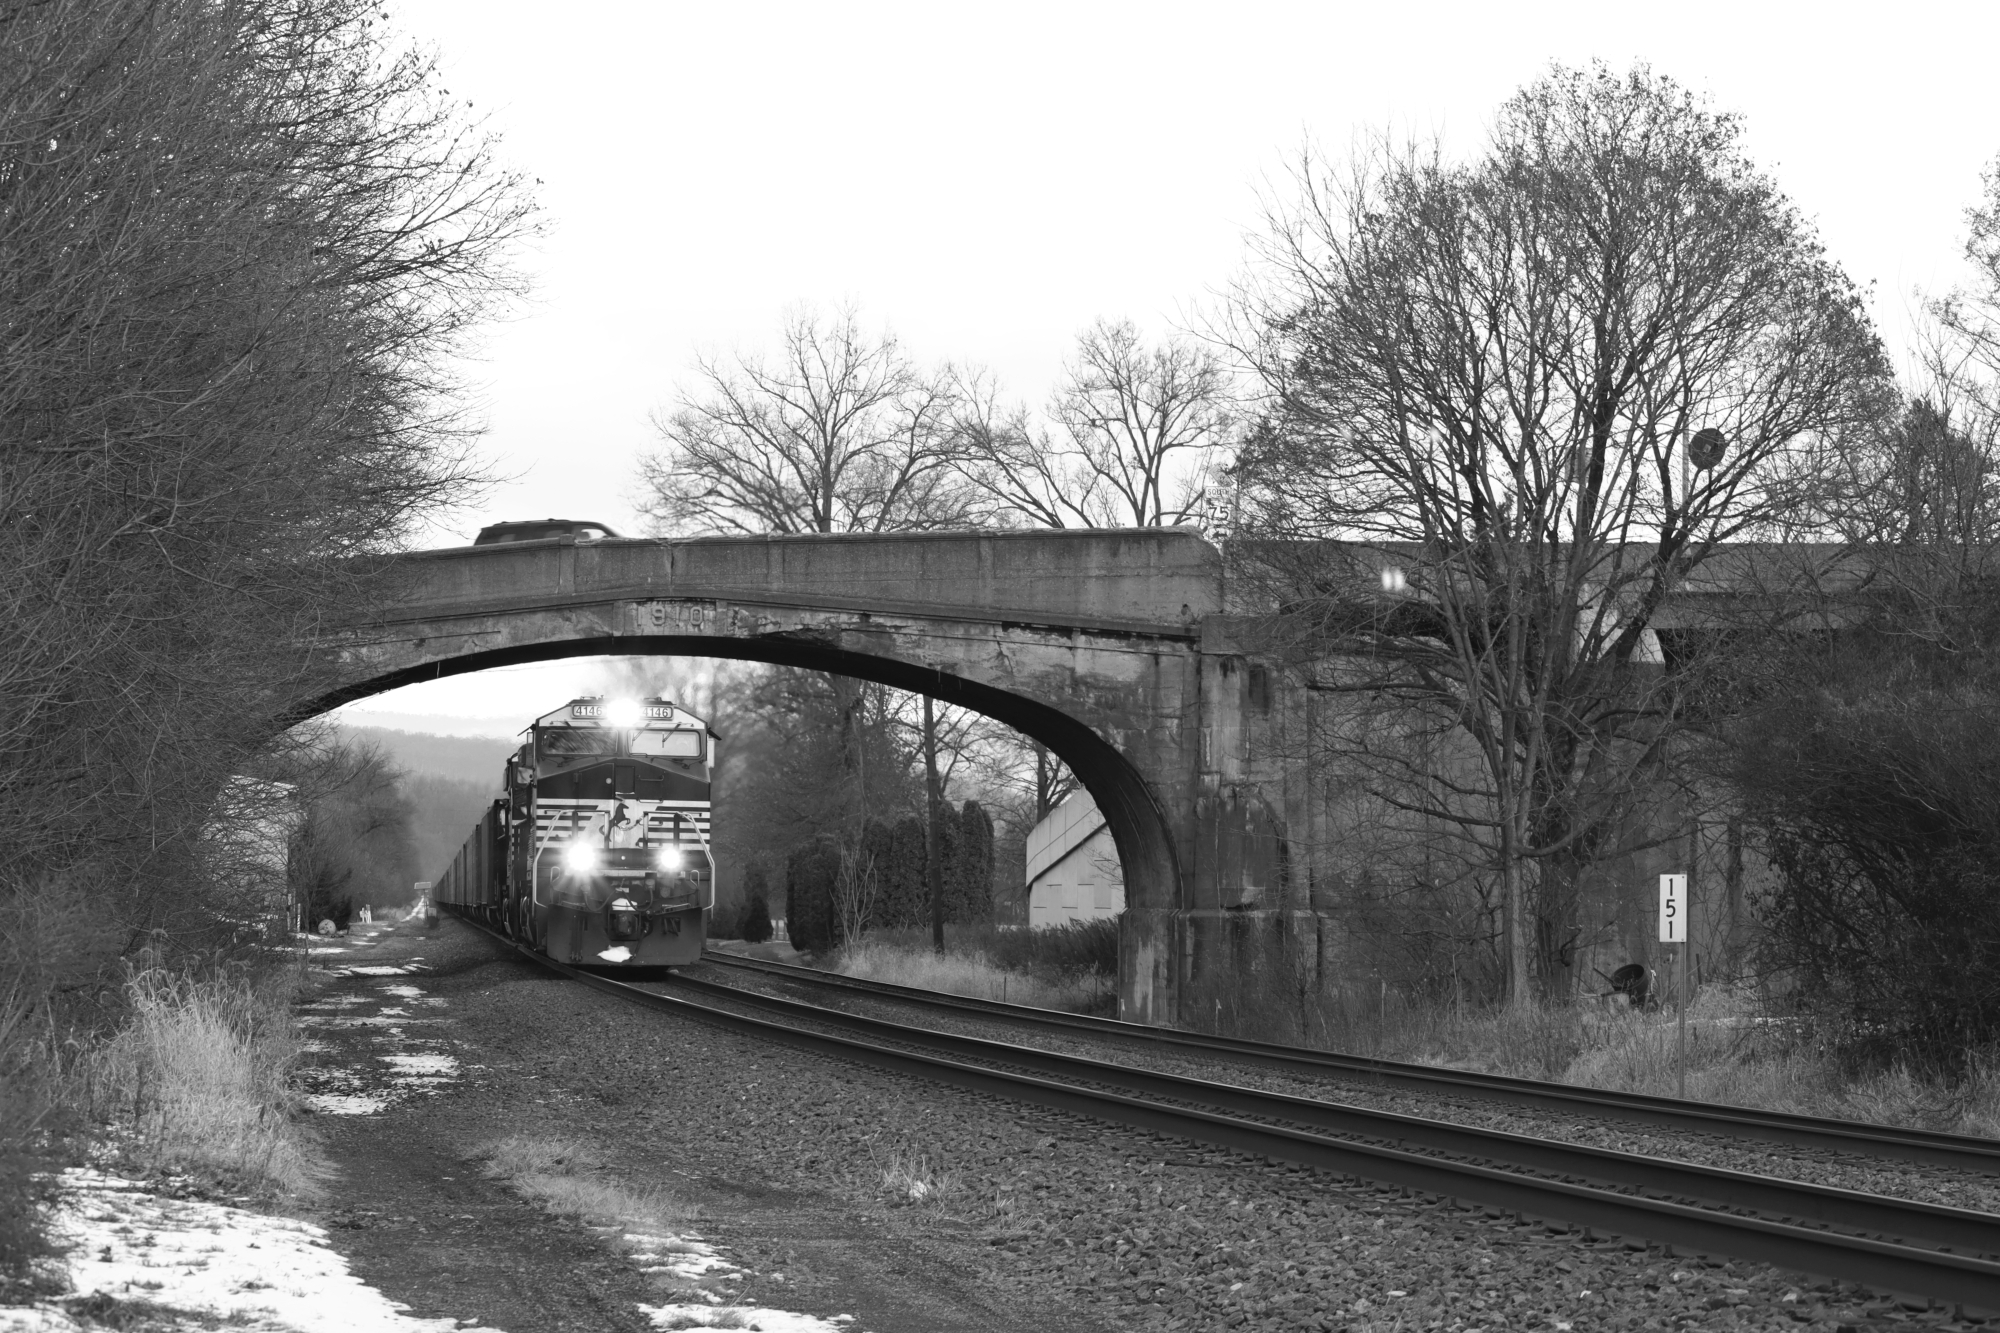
<point x="669" y="859"/>
<point x="624" y="713"/>
<point x="579" y="858"/>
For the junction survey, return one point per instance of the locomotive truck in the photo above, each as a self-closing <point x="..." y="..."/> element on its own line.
<point x="597" y="852"/>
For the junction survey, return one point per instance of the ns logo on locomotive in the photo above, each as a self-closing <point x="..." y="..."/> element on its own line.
<point x="598" y="853"/>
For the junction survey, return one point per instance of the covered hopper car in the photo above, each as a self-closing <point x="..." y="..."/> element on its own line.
<point x="597" y="852"/>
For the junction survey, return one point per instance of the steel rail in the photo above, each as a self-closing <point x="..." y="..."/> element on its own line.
<point x="1927" y="1147"/>
<point x="1966" y="1281"/>
<point x="1962" y="1229"/>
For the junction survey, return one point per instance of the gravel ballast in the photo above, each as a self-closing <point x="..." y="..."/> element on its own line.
<point x="1048" y="1220"/>
<point x="1905" y="1180"/>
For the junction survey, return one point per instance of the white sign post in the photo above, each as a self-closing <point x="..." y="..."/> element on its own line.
<point x="1674" y="922"/>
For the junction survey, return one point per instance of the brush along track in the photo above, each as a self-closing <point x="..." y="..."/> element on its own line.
<point x="1296" y="1130"/>
<point x="1881" y="1142"/>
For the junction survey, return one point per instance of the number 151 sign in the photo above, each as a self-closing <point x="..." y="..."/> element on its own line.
<point x="1673" y="909"/>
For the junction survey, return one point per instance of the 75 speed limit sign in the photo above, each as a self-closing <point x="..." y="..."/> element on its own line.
<point x="1673" y="909"/>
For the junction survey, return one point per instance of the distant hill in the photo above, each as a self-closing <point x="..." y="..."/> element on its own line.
<point x="449" y="780"/>
<point x="466" y="758"/>
<point x="442" y="813"/>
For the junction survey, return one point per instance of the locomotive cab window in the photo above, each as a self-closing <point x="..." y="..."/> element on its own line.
<point x="672" y="744"/>
<point x="559" y="741"/>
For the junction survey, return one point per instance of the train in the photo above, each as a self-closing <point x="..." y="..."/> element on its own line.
<point x="597" y="851"/>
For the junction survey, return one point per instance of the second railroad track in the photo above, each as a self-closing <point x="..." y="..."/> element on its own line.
<point x="1901" y="1247"/>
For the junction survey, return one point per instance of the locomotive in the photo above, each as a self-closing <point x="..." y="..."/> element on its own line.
<point x="598" y="852"/>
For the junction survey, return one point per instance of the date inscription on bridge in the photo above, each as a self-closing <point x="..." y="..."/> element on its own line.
<point x="693" y="615"/>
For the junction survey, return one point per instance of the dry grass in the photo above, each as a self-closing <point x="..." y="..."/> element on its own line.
<point x="570" y="1179"/>
<point x="918" y="1180"/>
<point x="1736" y="1054"/>
<point x="24" y="1118"/>
<point x="969" y="974"/>
<point x="195" y="1081"/>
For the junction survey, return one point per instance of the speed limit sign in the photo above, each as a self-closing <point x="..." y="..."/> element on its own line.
<point x="1673" y="909"/>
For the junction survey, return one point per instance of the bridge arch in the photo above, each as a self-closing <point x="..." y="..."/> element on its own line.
<point x="1138" y="824"/>
<point x="1088" y="642"/>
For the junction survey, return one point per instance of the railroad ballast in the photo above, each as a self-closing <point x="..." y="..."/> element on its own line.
<point x="597" y="853"/>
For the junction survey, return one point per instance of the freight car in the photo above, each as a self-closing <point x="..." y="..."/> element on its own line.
<point x="597" y="852"/>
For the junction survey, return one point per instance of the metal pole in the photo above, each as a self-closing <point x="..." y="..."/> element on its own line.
<point x="933" y="853"/>
<point x="1687" y="942"/>
<point x="1684" y="1020"/>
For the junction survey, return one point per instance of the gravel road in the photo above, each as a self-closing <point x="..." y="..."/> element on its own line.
<point x="912" y="1207"/>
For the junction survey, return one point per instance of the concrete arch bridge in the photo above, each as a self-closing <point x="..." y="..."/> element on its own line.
<point x="1113" y="648"/>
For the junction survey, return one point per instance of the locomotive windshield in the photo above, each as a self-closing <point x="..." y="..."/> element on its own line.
<point x="579" y="740"/>
<point x="673" y="744"/>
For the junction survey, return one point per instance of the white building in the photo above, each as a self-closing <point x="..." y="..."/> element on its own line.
<point x="1073" y="870"/>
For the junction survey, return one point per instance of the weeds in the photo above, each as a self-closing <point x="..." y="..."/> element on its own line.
<point x="195" y="1081"/>
<point x="1737" y="1053"/>
<point x="568" y="1178"/>
<point x="875" y="959"/>
<point x="1072" y="967"/>
<point x="25" y="1113"/>
<point x="913" y="1178"/>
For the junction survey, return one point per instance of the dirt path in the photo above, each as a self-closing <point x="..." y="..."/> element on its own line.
<point x="433" y="1043"/>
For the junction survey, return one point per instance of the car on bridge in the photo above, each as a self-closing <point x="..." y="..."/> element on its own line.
<point x="543" y="529"/>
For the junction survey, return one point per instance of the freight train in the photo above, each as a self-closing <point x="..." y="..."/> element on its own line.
<point x="597" y="853"/>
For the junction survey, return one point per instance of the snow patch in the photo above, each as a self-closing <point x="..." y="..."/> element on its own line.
<point x="346" y="1103"/>
<point x="212" y="1261"/>
<point x="688" y="1257"/>
<point x="742" y="1316"/>
<point x="423" y="1066"/>
<point x="690" y="1260"/>
<point x="402" y="992"/>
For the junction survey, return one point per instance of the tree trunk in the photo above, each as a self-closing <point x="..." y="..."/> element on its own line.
<point x="933" y="871"/>
<point x="1514" y="915"/>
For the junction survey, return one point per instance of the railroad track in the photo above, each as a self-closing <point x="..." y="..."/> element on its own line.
<point x="1926" y="1147"/>
<point x="1900" y="1247"/>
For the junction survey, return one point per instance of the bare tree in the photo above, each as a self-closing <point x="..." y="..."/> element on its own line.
<point x="1516" y="404"/>
<point x="856" y="888"/>
<point x="840" y="432"/>
<point x="1972" y="315"/>
<point x="1133" y="439"/>
<point x="241" y="239"/>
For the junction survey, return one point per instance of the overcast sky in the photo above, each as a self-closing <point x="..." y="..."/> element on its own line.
<point x="986" y="180"/>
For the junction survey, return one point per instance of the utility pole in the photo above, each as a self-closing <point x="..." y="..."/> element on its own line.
<point x="932" y="870"/>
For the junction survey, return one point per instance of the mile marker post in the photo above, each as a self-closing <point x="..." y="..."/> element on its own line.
<point x="1674" y="930"/>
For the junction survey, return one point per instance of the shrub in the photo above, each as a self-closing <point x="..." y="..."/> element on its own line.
<point x="906" y="896"/>
<point x="1879" y="805"/>
<point x="725" y="921"/>
<point x="811" y="872"/>
<point x="971" y="873"/>
<point x="197" y="1078"/>
<point x="757" y="920"/>
<point x="1074" y="946"/>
